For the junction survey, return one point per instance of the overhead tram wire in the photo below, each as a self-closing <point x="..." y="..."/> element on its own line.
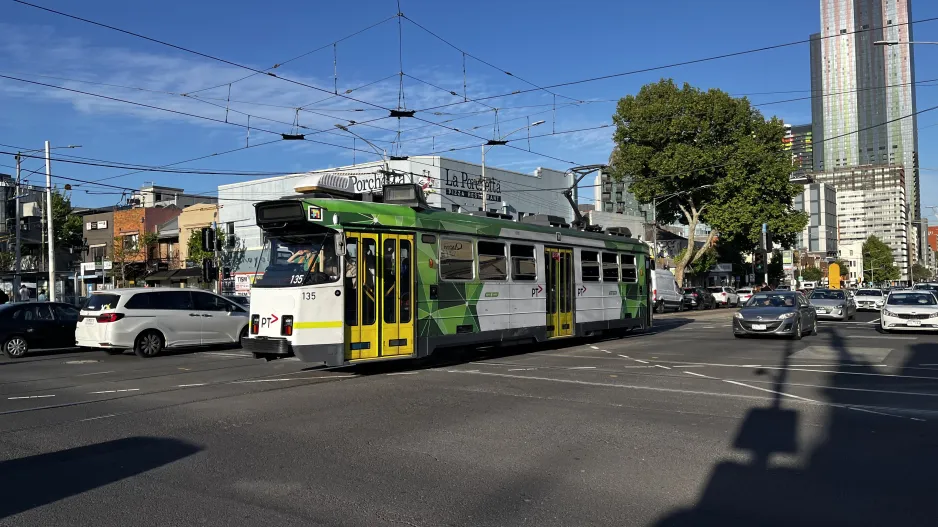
<point x="683" y="63"/>
<point x="489" y="64"/>
<point x="277" y="65"/>
<point x="231" y="63"/>
<point x="220" y="121"/>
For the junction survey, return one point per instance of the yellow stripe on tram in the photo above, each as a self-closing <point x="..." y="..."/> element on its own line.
<point x="318" y="325"/>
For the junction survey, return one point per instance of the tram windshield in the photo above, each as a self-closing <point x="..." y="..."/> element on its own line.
<point x="291" y="261"/>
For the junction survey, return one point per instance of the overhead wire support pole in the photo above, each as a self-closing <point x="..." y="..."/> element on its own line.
<point x="18" y="255"/>
<point x="50" y="228"/>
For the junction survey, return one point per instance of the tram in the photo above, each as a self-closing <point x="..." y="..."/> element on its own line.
<point x="343" y="281"/>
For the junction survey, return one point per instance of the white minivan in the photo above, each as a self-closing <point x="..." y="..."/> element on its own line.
<point x="147" y="320"/>
<point x="665" y="293"/>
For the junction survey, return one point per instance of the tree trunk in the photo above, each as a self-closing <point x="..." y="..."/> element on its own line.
<point x="690" y="255"/>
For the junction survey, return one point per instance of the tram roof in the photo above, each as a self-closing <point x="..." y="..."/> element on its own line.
<point x="353" y="214"/>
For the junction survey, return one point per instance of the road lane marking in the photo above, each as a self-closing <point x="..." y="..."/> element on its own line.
<point x="117" y="391"/>
<point x="660" y="366"/>
<point x="595" y="347"/>
<point x="700" y="375"/>
<point x="299" y="378"/>
<point x="95" y="373"/>
<point x="582" y="368"/>
<point x="190" y="385"/>
<point x="709" y="327"/>
<point x="607" y="351"/>
<point x="404" y="373"/>
<point x="522" y="369"/>
<point x="96" y="418"/>
<point x="773" y="391"/>
<point x="636" y="360"/>
<point x="29" y="397"/>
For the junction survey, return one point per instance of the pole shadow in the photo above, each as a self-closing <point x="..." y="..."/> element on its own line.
<point x="39" y="480"/>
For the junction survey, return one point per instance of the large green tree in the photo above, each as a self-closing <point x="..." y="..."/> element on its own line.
<point x="920" y="273"/>
<point x="812" y="274"/>
<point x="878" y="262"/>
<point x="67" y="226"/>
<point x="704" y="156"/>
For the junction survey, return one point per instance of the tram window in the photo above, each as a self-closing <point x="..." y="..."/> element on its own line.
<point x="389" y="281"/>
<point x="629" y="272"/>
<point x="456" y="260"/>
<point x="589" y="260"/>
<point x="523" y="264"/>
<point x="493" y="265"/>
<point x="610" y="267"/>
<point x="405" y="281"/>
<point x="369" y="293"/>
<point x="351" y="282"/>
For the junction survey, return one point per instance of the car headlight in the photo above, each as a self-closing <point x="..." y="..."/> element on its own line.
<point x="840" y="308"/>
<point x="785" y="316"/>
<point x="889" y="313"/>
<point x="738" y="315"/>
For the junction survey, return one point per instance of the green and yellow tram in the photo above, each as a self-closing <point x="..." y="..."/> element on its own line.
<point x="343" y="281"/>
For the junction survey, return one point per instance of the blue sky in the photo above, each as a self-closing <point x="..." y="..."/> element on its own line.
<point x="544" y="42"/>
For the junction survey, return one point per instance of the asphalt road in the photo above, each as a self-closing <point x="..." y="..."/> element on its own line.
<point x="684" y="425"/>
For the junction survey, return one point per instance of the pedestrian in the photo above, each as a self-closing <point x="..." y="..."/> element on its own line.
<point x="24" y="293"/>
<point x="42" y="296"/>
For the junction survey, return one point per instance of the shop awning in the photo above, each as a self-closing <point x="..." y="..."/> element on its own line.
<point x="159" y="275"/>
<point x="192" y="272"/>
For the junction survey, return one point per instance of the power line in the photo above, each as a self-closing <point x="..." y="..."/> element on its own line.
<point x="683" y="63"/>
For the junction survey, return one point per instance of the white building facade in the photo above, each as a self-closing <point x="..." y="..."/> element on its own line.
<point x="449" y="184"/>
<point x="852" y="255"/>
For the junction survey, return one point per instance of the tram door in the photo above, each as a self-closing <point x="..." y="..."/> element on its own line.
<point x="378" y="295"/>
<point x="558" y="264"/>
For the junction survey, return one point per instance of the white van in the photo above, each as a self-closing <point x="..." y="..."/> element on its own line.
<point x="147" y="320"/>
<point x="665" y="293"/>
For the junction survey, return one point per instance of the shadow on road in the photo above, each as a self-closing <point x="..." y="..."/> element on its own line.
<point x="42" y="479"/>
<point x="867" y="469"/>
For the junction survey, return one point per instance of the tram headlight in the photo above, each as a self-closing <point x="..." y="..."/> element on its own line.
<point x="286" y="325"/>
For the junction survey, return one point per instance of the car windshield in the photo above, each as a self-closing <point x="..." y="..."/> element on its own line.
<point x="291" y="261"/>
<point x="827" y="295"/>
<point x="911" y="299"/>
<point x="869" y="292"/>
<point x="100" y="302"/>
<point x="770" y="300"/>
<point x="929" y="287"/>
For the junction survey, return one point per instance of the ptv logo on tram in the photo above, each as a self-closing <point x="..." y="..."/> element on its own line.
<point x="268" y="322"/>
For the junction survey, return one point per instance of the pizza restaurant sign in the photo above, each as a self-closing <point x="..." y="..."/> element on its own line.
<point x="374" y="183"/>
<point x="465" y="185"/>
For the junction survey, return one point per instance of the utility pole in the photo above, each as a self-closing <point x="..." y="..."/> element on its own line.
<point x="484" y="186"/>
<point x="217" y="259"/>
<point x="18" y="252"/>
<point x="765" y="245"/>
<point x="50" y="228"/>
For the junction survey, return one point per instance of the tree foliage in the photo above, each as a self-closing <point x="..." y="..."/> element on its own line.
<point x="776" y="268"/>
<point x="920" y="273"/>
<point x="6" y="260"/>
<point x="878" y="261"/>
<point x="67" y="227"/>
<point x="701" y="266"/>
<point x="231" y="257"/>
<point x="721" y="157"/>
<point x="812" y="274"/>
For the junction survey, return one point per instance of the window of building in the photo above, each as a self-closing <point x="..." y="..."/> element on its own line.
<point x="493" y="264"/>
<point x="589" y="260"/>
<point x="455" y="259"/>
<point x="610" y="267"/>
<point x="523" y="264"/>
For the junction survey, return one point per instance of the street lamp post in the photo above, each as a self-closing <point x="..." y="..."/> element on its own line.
<point x="490" y="144"/>
<point x="18" y="256"/>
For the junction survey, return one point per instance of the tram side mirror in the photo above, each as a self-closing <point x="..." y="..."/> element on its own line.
<point x="340" y="243"/>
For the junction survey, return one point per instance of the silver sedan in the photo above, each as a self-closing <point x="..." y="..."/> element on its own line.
<point x="833" y="304"/>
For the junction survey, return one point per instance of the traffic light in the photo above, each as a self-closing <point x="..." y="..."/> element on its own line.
<point x="758" y="262"/>
<point x="209" y="270"/>
<point x="226" y="272"/>
<point x="208" y="239"/>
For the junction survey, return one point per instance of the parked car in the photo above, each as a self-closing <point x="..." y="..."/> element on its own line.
<point x="833" y="304"/>
<point x="744" y="295"/>
<point x="785" y="313"/>
<point x="724" y="296"/>
<point x="31" y="325"/>
<point x="869" y="299"/>
<point x="243" y="301"/>
<point x="665" y="293"/>
<point x="148" y="320"/>
<point x="783" y="288"/>
<point x="930" y="286"/>
<point x="698" y="298"/>
<point x="910" y="309"/>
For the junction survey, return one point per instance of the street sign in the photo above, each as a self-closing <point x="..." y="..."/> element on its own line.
<point x="106" y="265"/>
<point x="787" y="257"/>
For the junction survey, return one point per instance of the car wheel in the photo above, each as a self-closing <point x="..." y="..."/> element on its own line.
<point x="659" y="307"/>
<point x="148" y="344"/>
<point x="680" y="307"/>
<point x="242" y="336"/>
<point x="15" y="347"/>
<point x="797" y="334"/>
<point x="814" y="328"/>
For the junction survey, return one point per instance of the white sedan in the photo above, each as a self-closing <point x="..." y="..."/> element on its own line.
<point x="910" y="310"/>
<point x="744" y="295"/>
